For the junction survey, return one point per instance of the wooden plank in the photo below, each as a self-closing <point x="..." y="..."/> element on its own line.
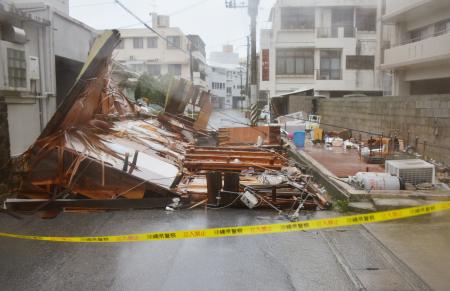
<point x="32" y="204"/>
<point x="249" y="135"/>
<point x="227" y="166"/>
<point x="230" y="159"/>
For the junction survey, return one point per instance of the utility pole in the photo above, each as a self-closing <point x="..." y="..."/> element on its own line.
<point x="247" y="72"/>
<point x="252" y="7"/>
<point x="191" y="62"/>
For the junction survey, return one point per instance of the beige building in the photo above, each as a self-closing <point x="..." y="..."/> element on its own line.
<point x="329" y="46"/>
<point x="418" y="54"/>
<point x="144" y="51"/>
<point x="39" y="64"/>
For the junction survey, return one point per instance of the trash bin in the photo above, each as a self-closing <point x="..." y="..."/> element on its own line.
<point x="299" y="139"/>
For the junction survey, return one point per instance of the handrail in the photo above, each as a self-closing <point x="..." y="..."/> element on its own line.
<point x="332" y="31"/>
<point x="328" y="74"/>
<point x="423" y="37"/>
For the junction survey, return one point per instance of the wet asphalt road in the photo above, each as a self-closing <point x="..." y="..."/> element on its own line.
<point x="342" y="259"/>
<point x="326" y="260"/>
<point x="228" y="118"/>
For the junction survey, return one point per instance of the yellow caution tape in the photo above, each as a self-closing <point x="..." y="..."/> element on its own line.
<point x="247" y="230"/>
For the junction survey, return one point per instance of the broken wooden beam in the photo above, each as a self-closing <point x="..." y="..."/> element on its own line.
<point x="28" y="205"/>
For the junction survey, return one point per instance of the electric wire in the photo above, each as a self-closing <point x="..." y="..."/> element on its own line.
<point x="149" y="27"/>
<point x="228" y="205"/>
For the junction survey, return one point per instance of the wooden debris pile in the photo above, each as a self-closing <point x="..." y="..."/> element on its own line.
<point x="100" y="152"/>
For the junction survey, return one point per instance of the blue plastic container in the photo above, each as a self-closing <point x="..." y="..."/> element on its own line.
<point x="299" y="139"/>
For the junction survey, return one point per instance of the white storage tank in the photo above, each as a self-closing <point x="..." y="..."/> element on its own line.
<point x="376" y="181"/>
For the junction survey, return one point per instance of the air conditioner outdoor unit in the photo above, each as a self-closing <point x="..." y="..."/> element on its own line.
<point x="411" y="171"/>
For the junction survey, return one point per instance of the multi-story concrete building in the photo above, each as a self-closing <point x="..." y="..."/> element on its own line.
<point x="329" y="46"/>
<point x="418" y="55"/>
<point x="144" y="51"/>
<point x="227" y="83"/>
<point x="198" y="60"/>
<point x="39" y="64"/>
<point x="226" y="79"/>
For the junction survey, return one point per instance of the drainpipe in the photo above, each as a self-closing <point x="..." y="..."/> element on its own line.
<point x="40" y="31"/>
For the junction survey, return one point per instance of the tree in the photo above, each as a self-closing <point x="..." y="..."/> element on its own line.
<point x="153" y="89"/>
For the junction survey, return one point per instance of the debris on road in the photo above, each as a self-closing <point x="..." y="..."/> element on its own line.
<point x="100" y="151"/>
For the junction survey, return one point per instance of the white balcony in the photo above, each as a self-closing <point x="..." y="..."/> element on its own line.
<point x="410" y="10"/>
<point x="427" y="50"/>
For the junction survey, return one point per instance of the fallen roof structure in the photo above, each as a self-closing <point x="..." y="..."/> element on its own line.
<point x="99" y="151"/>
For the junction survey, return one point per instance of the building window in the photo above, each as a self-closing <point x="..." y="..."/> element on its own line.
<point x="154" y="69"/>
<point x="152" y="42"/>
<point x="297" y="18"/>
<point x="366" y="19"/>
<point x="342" y="17"/>
<point x="174" y="69"/>
<point x="330" y="65"/>
<point x="121" y="44"/>
<point x="418" y="34"/>
<point x="360" y="62"/>
<point x="173" y="42"/>
<point x="138" y="42"/>
<point x="17" y="68"/>
<point x="295" y="61"/>
<point x="229" y="91"/>
<point x="137" y="67"/>
<point x="442" y="27"/>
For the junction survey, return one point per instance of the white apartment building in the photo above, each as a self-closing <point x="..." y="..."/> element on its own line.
<point x="418" y="56"/>
<point x="144" y="51"/>
<point x="39" y="64"/>
<point x="329" y="46"/>
<point x="226" y="79"/>
<point x="227" y="83"/>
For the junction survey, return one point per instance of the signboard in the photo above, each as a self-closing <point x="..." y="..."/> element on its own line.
<point x="265" y="65"/>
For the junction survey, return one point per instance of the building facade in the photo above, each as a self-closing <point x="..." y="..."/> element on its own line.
<point x="145" y="52"/>
<point x="417" y="55"/>
<point x="39" y="65"/>
<point x="227" y="85"/>
<point x="327" y="45"/>
<point x="227" y="79"/>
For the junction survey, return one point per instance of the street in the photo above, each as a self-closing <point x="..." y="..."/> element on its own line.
<point x="225" y="145"/>
<point x="342" y="259"/>
<point x="227" y="118"/>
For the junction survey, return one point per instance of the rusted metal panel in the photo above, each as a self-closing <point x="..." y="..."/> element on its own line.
<point x="249" y="135"/>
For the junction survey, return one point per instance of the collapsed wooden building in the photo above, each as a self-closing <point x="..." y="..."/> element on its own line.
<point x="101" y="151"/>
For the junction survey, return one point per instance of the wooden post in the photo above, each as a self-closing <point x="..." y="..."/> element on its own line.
<point x="274" y="194"/>
<point x="214" y="185"/>
<point x="231" y="182"/>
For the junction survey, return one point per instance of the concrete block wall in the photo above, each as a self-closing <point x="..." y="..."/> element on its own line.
<point x="4" y="142"/>
<point x="425" y="118"/>
<point x="300" y="103"/>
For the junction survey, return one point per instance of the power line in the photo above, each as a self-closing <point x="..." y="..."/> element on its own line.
<point x="149" y="27"/>
<point x="91" y="4"/>
<point x="188" y="7"/>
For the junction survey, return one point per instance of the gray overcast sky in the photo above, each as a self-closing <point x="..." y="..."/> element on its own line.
<point x="215" y="23"/>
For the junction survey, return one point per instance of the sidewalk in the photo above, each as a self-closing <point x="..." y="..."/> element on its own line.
<point x="422" y="243"/>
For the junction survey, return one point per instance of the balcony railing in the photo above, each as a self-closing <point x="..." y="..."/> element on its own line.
<point x="329" y="74"/>
<point x="422" y="37"/>
<point x="333" y="31"/>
